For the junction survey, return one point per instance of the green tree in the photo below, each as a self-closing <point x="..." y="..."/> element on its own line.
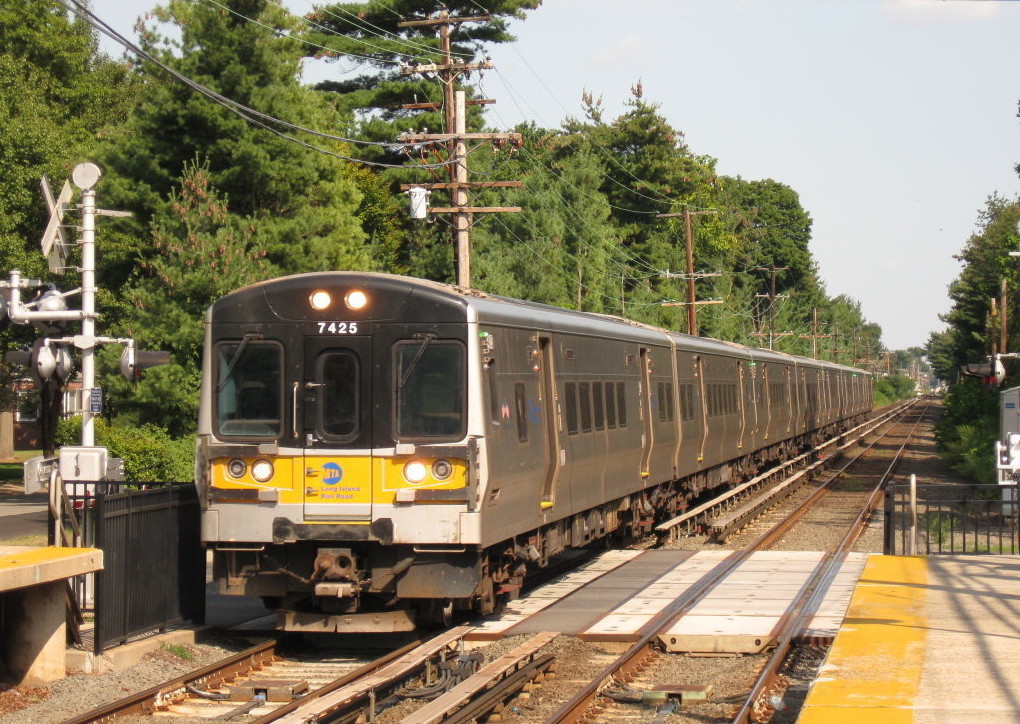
<point x="58" y="95"/>
<point x="200" y="252"/>
<point x="306" y="202"/>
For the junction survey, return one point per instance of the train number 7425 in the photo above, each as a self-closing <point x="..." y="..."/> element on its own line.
<point x="338" y="327"/>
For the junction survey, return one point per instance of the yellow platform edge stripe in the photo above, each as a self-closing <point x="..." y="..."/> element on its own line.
<point x="873" y="670"/>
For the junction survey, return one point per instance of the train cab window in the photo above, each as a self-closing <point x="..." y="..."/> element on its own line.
<point x="248" y="389"/>
<point x="338" y="411"/>
<point x="429" y="378"/>
<point x="584" y="395"/>
<point x="621" y="404"/>
<point x="570" y="406"/>
<point x="599" y="405"/>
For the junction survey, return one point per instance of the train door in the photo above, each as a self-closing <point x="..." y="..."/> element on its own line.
<point x="549" y="406"/>
<point x="745" y="395"/>
<point x="699" y="372"/>
<point x="336" y="391"/>
<point x="645" y="397"/>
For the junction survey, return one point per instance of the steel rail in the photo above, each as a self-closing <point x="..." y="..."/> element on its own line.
<point x="755" y="508"/>
<point x="146" y="702"/>
<point x="579" y="707"/>
<point x="797" y="618"/>
<point x="740" y="492"/>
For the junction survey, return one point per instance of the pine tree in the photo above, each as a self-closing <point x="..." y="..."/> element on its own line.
<point x="306" y="202"/>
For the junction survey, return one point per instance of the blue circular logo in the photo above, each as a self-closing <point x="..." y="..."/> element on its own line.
<point x="331" y="474"/>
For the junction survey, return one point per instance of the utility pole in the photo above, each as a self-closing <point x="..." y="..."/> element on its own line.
<point x="455" y="112"/>
<point x="814" y="333"/>
<point x="772" y="297"/>
<point x="692" y="305"/>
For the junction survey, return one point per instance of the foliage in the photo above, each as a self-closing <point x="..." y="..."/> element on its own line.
<point x="887" y="390"/>
<point x="968" y="430"/>
<point x="150" y="455"/>
<point x="305" y="201"/>
<point x="973" y="328"/>
<point x="201" y="252"/>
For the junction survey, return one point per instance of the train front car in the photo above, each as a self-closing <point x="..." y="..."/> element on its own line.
<point x="335" y="463"/>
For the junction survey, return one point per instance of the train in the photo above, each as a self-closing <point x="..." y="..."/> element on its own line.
<point x="379" y="452"/>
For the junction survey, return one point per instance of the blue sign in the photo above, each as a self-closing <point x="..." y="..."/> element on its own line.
<point x="332" y="474"/>
<point x="96" y="401"/>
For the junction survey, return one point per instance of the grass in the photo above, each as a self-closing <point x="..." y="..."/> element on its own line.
<point x="26" y="540"/>
<point x="13" y="471"/>
<point x="179" y="651"/>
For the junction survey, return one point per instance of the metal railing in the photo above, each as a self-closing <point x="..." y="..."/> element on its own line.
<point x="153" y="561"/>
<point x="951" y="519"/>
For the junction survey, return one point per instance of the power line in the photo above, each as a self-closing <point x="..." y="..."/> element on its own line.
<point x="248" y="114"/>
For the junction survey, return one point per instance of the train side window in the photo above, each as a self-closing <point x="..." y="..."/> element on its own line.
<point x="600" y="408"/>
<point x="584" y="394"/>
<point x="611" y="405"/>
<point x="429" y="380"/>
<point x="521" y="408"/>
<point x="570" y="403"/>
<point x="338" y="412"/>
<point x="686" y="401"/>
<point x="621" y="404"/>
<point x="249" y="389"/>
<point x="495" y="407"/>
<point x="661" y="391"/>
<point x="670" y="404"/>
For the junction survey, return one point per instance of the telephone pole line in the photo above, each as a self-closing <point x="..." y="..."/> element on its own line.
<point x="814" y="333"/>
<point x="692" y="305"/>
<point x="455" y="114"/>
<point x="772" y="297"/>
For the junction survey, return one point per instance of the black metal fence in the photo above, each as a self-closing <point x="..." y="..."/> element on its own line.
<point x="153" y="563"/>
<point x="958" y="519"/>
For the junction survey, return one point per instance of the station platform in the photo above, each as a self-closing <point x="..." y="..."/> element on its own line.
<point x="925" y="639"/>
<point x="32" y="608"/>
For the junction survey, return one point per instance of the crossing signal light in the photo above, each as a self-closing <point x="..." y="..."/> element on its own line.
<point x="46" y="361"/>
<point x="133" y="362"/>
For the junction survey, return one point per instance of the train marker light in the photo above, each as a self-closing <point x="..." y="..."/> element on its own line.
<point x="356" y="299"/>
<point x="237" y="468"/>
<point x="441" y="469"/>
<point x="320" y="300"/>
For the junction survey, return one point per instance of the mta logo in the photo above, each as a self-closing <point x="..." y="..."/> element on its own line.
<point x="332" y="474"/>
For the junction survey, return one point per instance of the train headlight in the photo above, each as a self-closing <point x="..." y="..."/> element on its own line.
<point x="356" y="299"/>
<point x="415" y="472"/>
<point x="441" y="469"/>
<point x="237" y="468"/>
<point x="320" y="300"/>
<point x="262" y="470"/>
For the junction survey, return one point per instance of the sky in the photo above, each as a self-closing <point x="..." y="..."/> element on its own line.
<point x="894" y="120"/>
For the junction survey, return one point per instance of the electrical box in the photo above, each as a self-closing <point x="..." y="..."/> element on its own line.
<point x="83" y="463"/>
<point x="1009" y="412"/>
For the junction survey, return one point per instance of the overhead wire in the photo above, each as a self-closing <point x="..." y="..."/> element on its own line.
<point x="245" y="112"/>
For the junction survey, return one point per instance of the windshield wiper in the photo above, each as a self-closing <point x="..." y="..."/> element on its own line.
<point x="249" y="336"/>
<point x="426" y="339"/>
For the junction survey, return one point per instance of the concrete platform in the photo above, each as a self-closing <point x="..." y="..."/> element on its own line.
<point x="33" y="602"/>
<point x="614" y="598"/>
<point x="925" y="640"/>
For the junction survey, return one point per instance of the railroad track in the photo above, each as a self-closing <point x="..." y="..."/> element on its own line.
<point x="613" y="683"/>
<point x="435" y="681"/>
<point x="262" y="683"/>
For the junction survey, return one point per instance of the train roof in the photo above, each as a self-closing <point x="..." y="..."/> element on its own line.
<point x="495" y="309"/>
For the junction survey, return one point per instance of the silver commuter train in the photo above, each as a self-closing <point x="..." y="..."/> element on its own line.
<point x="377" y="451"/>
